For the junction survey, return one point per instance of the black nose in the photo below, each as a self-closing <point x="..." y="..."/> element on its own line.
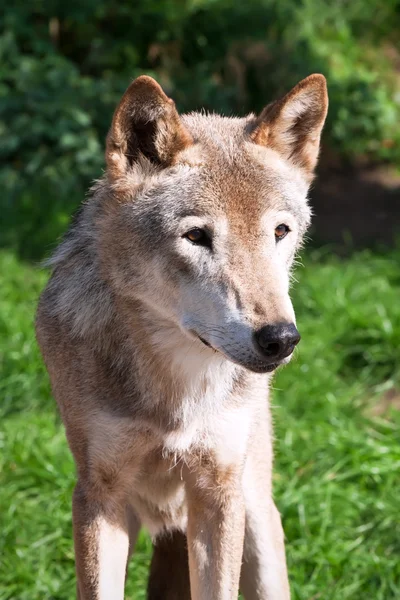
<point x="275" y="342"/>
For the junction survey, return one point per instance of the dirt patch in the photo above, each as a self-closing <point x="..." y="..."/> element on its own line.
<point x="356" y="206"/>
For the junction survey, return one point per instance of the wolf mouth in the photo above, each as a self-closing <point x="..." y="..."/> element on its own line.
<point x="255" y="368"/>
<point x="206" y="343"/>
<point x="263" y="368"/>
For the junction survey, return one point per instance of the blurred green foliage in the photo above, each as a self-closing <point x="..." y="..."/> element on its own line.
<point x="64" y="66"/>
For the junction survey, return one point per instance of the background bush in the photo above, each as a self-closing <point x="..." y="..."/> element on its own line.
<point x="64" y="66"/>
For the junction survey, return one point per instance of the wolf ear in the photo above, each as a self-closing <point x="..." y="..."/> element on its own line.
<point x="292" y="125"/>
<point x="145" y="122"/>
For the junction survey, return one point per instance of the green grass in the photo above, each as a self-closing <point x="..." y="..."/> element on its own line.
<point x="337" y="472"/>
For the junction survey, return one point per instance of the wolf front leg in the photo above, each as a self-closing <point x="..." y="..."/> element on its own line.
<point x="215" y="532"/>
<point x="264" y="573"/>
<point x="101" y="535"/>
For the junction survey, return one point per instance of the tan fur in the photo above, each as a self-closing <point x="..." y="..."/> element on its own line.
<point x="167" y="432"/>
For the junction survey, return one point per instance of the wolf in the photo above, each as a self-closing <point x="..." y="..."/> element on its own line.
<point x="165" y="316"/>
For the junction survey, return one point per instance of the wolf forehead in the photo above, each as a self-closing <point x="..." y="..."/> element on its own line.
<point x="222" y="172"/>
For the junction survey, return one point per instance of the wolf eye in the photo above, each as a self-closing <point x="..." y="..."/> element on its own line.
<point x="281" y="231"/>
<point x="199" y="237"/>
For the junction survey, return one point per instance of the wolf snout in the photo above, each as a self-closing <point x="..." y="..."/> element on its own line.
<point x="276" y="342"/>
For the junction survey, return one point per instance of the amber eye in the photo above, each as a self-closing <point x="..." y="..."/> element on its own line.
<point x="199" y="237"/>
<point x="281" y="231"/>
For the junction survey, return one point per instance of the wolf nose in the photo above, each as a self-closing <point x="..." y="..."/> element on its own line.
<point x="276" y="342"/>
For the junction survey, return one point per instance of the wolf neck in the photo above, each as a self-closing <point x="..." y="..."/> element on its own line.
<point x="172" y="361"/>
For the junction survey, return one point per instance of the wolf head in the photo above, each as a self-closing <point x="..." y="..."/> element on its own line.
<point x="206" y="213"/>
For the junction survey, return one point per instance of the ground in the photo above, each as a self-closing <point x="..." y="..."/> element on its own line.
<point x="337" y="429"/>
<point x="355" y="205"/>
